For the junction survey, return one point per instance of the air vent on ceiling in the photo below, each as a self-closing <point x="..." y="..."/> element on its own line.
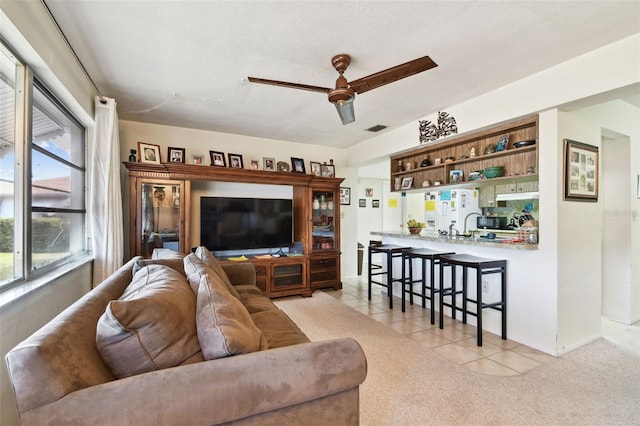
<point x="376" y="128"/>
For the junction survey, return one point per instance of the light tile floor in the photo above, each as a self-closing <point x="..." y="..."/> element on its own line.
<point x="457" y="341"/>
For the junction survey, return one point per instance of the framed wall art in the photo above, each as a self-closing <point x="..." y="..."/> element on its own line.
<point x="235" y="161"/>
<point x="375" y="204"/>
<point x="345" y="195"/>
<point x="407" y="183"/>
<point x="328" y="170"/>
<point x="362" y="202"/>
<point x="175" y="155"/>
<point x="217" y="159"/>
<point x="580" y="171"/>
<point x="149" y="153"/>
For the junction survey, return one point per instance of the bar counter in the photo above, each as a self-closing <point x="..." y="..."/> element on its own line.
<point x="503" y="239"/>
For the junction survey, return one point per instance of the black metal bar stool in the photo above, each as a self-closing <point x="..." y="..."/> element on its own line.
<point x="391" y="252"/>
<point x="483" y="267"/>
<point x="424" y="255"/>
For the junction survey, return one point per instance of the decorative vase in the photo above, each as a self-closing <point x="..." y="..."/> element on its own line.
<point x="396" y="183"/>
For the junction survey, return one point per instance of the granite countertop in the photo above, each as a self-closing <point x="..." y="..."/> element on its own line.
<point x="503" y="239"/>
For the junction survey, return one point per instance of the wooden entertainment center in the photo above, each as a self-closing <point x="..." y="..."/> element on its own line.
<point x="160" y="209"/>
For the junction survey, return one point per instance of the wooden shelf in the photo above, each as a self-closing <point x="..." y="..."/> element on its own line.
<point x="517" y="163"/>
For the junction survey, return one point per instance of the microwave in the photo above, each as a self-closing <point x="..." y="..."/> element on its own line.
<point x="491" y="222"/>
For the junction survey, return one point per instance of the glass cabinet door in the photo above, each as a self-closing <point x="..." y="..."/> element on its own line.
<point x="323" y="216"/>
<point x="160" y="216"/>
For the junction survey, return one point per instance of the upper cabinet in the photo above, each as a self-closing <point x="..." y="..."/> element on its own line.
<point x="462" y="159"/>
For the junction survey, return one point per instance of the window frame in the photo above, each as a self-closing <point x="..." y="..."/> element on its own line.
<point x="25" y="83"/>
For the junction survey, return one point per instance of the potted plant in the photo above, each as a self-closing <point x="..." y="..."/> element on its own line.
<point x="415" y="227"/>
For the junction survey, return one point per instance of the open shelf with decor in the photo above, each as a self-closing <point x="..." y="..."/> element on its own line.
<point x="510" y="148"/>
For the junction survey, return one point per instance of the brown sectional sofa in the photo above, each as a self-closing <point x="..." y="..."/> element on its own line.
<point x="59" y="376"/>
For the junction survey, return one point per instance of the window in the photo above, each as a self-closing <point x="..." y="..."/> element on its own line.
<point x="42" y="204"/>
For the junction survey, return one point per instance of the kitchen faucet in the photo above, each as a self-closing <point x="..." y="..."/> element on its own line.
<point x="451" y="231"/>
<point x="465" y="221"/>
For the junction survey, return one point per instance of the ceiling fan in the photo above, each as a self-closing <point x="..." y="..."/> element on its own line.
<point x="344" y="93"/>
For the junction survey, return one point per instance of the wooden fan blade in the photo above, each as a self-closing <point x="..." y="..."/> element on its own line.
<point x="289" y="85"/>
<point x="392" y="74"/>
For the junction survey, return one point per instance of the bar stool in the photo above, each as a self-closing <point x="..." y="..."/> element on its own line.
<point x="423" y="254"/>
<point x="483" y="267"/>
<point x="391" y="252"/>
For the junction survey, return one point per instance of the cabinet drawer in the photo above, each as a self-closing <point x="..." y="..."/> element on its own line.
<point x="324" y="276"/>
<point x="330" y="262"/>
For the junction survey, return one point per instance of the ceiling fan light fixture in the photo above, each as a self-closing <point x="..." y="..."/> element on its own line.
<point x="345" y="111"/>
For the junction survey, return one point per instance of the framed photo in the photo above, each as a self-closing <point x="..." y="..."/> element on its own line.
<point x="175" y="155"/>
<point x="217" y="159"/>
<point x="197" y="159"/>
<point x="149" y="153"/>
<point x="345" y="195"/>
<point x="297" y="165"/>
<point x="328" y="170"/>
<point x="375" y="204"/>
<point x="269" y="164"/>
<point x="362" y="202"/>
<point x="407" y="183"/>
<point x="235" y="161"/>
<point x="283" y="166"/>
<point x="255" y="165"/>
<point x="315" y="168"/>
<point x="580" y="171"/>
<point x="368" y="192"/>
<point x="455" y="176"/>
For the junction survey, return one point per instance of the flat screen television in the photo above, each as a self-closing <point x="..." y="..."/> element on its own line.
<point x="238" y="224"/>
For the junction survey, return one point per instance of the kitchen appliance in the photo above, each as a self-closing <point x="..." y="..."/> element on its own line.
<point x="453" y="207"/>
<point x="491" y="222"/>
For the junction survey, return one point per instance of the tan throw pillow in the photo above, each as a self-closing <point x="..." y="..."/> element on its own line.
<point x="152" y="326"/>
<point x="224" y="326"/>
<point x="209" y="260"/>
<point x="165" y="253"/>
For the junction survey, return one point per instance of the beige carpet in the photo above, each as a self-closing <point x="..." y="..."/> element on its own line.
<point x="409" y="384"/>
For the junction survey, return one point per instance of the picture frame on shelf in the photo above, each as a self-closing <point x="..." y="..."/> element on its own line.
<point x="297" y="165"/>
<point x="269" y="164"/>
<point x="407" y="182"/>
<point x="217" y="159"/>
<point x="235" y="161"/>
<point x="362" y="202"/>
<point x="345" y="195"/>
<point x="328" y="170"/>
<point x="283" y="166"/>
<point x="456" y="176"/>
<point x="255" y="165"/>
<point x="149" y="153"/>
<point x="375" y="204"/>
<point x="580" y="171"/>
<point x="197" y="159"/>
<point x="316" y="168"/>
<point x="175" y="155"/>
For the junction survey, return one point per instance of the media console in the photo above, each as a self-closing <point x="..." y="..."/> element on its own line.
<point x="160" y="205"/>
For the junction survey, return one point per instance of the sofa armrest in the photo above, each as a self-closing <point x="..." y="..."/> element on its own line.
<point x="240" y="273"/>
<point x="217" y="391"/>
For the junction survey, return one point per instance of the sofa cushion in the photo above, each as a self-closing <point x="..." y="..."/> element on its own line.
<point x="152" y="326"/>
<point x="173" y="263"/>
<point x="207" y="257"/>
<point x="224" y="326"/>
<point x="253" y="299"/>
<point x="195" y="267"/>
<point x="278" y="328"/>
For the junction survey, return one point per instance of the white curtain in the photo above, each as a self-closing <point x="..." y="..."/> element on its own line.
<point x="106" y="193"/>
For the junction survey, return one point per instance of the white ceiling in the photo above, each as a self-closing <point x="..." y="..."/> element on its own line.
<point x="185" y="63"/>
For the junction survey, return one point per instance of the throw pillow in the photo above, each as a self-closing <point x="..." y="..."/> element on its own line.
<point x="206" y="258"/>
<point x="165" y="253"/>
<point x="152" y="326"/>
<point x="224" y="326"/>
